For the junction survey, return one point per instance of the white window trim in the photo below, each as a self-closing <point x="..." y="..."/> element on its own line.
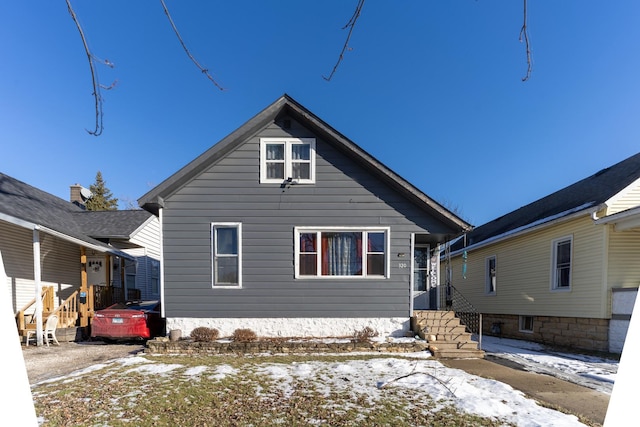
<point x="554" y="260"/>
<point x="237" y="225"/>
<point x="487" y="276"/>
<point x="321" y="229"/>
<point x="288" y="142"/>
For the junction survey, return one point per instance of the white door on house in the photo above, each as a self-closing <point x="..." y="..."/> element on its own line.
<point x="421" y="277"/>
<point x="97" y="270"/>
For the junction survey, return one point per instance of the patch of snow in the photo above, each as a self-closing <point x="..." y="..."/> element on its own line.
<point x="594" y="372"/>
<point x="196" y="370"/>
<point x="156" y="368"/>
<point x="373" y="379"/>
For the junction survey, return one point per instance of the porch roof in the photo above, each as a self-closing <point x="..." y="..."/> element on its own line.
<point x="28" y="207"/>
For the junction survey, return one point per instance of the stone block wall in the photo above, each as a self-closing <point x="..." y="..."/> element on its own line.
<point x="188" y="347"/>
<point x="581" y="333"/>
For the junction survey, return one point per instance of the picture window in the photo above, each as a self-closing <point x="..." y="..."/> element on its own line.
<point x="342" y="252"/>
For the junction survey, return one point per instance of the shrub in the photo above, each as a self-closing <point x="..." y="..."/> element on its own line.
<point x="244" y="335"/>
<point x="204" y="334"/>
<point x="364" y="334"/>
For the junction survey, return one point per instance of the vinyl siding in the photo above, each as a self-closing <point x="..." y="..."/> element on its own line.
<point x="626" y="199"/>
<point x="524" y="274"/>
<point x="624" y="259"/>
<point x="344" y="194"/>
<point x="60" y="264"/>
<point x="149" y="240"/>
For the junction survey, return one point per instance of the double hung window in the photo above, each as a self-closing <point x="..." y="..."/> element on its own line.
<point x="342" y="252"/>
<point x="284" y="159"/>
<point x="227" y="254"/>
<point x="561" y="264"/>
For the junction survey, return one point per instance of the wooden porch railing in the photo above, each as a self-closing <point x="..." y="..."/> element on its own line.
<point x="77" y="309"/>
<point x="23" y="319"/>
<point x="104" y="296"/>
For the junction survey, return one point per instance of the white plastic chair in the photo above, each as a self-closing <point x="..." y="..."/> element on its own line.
<point x="49" y="330"/>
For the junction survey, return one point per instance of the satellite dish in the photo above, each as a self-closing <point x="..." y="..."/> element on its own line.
<point x="86" y="194"/>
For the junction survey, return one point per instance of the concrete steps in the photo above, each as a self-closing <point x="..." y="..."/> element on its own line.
<point x="447" y="338"/>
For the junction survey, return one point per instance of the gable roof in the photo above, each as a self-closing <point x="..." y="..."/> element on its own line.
<point x="30" y="207"/>
<point x="112" y="224"/>
<point x="586" y="196"/>
<point x="285" y="105"/>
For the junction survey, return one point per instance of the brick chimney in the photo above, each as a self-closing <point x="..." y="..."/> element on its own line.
<point x="75" y="197"/>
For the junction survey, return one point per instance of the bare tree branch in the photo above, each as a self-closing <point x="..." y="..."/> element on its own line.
<point x="525" y="34"/>
<point x="94" y="76"/>
<point x="413" y="372"/>
<point x="111" y="86"/>
<point x="204" y="70"/>
<point x="351" y="24"/>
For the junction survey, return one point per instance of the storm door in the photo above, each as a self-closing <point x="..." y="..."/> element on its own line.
<point x="421" y="278"/>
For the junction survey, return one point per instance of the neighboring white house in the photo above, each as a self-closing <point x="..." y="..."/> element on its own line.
<point x="136" y="233"/>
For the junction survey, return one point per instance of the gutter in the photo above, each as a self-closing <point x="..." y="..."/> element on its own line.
<point x="33" y="226"/>
<point x="629" y="213"/>
<point x="570" y="214"/>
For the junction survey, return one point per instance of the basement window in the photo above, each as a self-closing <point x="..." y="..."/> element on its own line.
<point x="526" y="324"/>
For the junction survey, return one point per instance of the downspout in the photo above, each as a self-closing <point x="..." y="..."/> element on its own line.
<point x="37" y="277"/>
<point x="411" y="275"/>
<point x="160" y="217"/>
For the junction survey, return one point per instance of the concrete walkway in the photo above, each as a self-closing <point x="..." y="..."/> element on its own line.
<point x="588" y="404"/>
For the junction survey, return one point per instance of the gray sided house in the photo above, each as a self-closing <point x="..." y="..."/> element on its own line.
<point x="288" y="228"/>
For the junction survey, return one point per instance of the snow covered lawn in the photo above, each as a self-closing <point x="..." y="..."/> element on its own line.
<point x="359" y="390"/>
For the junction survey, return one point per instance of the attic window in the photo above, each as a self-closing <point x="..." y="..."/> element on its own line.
<point x="287" y="159"/>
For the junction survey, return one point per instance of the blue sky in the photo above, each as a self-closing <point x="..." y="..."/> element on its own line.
<point x="431" y="88"/>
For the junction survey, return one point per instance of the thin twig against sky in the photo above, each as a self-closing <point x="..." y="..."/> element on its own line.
<point x="524" y="34"/>
<point x="94" y="76"/>
<point x="351" y="24"/>
<point x="184" y="46"/>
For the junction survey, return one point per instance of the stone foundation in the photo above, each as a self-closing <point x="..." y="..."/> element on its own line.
<point x="189" y="347"/>
<point x="581" y="333"/>
<point x="294" y="327"/>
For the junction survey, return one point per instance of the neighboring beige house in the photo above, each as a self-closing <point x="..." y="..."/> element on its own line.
<point x="563" y="270"/>
<point x="47" y="242"/>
